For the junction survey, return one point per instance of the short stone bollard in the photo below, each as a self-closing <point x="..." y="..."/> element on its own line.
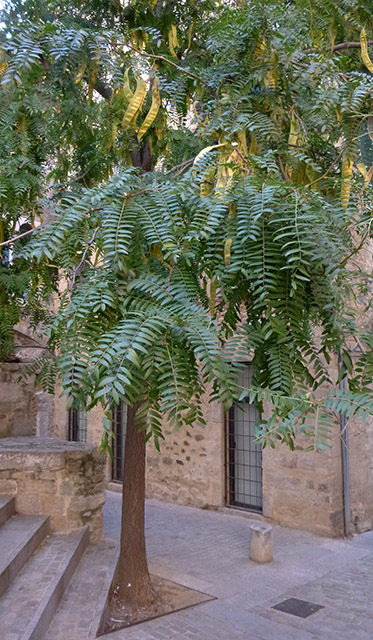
<point x="261" y="543"/>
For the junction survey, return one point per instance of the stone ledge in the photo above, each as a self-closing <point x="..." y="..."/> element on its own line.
<point x="65" y="480"/>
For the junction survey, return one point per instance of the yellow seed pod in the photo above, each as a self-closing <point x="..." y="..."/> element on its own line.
<point x="153" y="111"/>
<point x="135" y="104"/>
<point x="232" y="210"/>
<point x="362" y="168"/>
<point x="171" y="42"/>
<point x="175" y="38"/>
<point x="114" y="130"/>
<point x="190" y="34"/>
<point x="364" y="51"/>
<point x="127" y="91"/>
<point x="207" y="182"/>
<point x="3" y="62"/>
<point x="254" y="149"/>
<point x="294" y="131"/>
<point x="206" y="150"/>
<point x="242" y="142"/>
<point x="260" y="47"/>
<point x="213" y="287"/>
<point x="80" y="73"/>
<point x="333" y="32"/>
<point x="347" y="165"/>
<point x="227" y="251"/>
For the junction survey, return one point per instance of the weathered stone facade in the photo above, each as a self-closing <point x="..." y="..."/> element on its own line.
<point x="189" y="470"/>
<point x="65" y="480"/>
<point x="18" y="406"/>
<point x="300" y="489"/>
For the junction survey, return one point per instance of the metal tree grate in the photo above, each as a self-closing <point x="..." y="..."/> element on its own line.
<point x="296" y="607"/>
<point x="244" y="455"/>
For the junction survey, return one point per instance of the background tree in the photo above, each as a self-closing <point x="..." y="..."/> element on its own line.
<point x="207" y="169"/>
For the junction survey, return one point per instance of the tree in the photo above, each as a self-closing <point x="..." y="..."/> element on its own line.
<point x="207" y="170"/>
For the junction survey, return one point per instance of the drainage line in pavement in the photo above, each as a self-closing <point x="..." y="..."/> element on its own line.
<point x="345" y="458"/>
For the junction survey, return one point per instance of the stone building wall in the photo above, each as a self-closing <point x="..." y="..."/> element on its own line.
<point x="18" y="402"/>
<point x="361" y="474"/>
<point x="189" y="470"/>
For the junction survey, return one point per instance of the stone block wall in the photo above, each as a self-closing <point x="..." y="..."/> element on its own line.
<point x="303" y="489"/>
<point x="189" y="469"/>
<point x="18" y="402"/>
<point x="65" y="480"/>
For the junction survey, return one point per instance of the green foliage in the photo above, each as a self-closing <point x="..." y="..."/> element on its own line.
<point x="139" y="232"/>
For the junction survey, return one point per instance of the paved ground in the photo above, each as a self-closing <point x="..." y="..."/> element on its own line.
<point x="209" y="551"/>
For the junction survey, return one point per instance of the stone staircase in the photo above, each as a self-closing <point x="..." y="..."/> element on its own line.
<point x="35" y="570"/>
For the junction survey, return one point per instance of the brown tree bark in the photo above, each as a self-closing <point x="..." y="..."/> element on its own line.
<point x="133" y="574"/>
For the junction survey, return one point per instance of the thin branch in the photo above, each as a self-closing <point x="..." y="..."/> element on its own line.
<point x="76" y="269"/>
<point x="339" y="47"/>
<point x="21" y="235"/>
<point x="355" y="250"/>
<point x="282" y="169"/>
<point x="328" y="170"/>
<point x="182" y="165"/>
<point x="40" y="226"/>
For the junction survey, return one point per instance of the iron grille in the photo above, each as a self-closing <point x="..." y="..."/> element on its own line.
<point x="119" y="423"/>
<point x="78" y="425"/>
<point x="244" y="456"/>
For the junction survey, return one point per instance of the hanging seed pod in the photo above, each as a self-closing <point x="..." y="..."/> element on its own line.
<point x="207" y="182"/>
<point x="364" y="51"/>
<point x="153" y="111"/>
<point x="135" y="104"/>
<point x="242" y="142"/>
<point x="347" y="165"/>
<point x="127" y="91"/>
<point x="213" y="287"/>
<point x="227" y="251"/>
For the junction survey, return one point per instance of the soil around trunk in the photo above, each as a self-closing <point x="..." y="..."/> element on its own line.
<point x="169" y="597"/>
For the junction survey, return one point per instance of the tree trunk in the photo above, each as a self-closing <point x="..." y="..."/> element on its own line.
<point x="133" y="574"/>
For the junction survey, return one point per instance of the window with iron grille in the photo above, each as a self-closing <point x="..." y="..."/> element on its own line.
<point x="78" y="425"/>
<point x="243" y="454"/>
<point x="119" y="423"/>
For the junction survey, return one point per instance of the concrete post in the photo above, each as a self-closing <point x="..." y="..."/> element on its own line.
<point x="261" y="543"/>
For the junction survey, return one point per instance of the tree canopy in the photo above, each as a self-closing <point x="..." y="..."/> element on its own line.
<point x="199" y="174"/>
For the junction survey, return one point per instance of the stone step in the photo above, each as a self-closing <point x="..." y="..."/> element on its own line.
<point x="79" y="614"/>
<point x="7" y="508"/>
<point x="19" y="537"/>
<point x="29" y="605"/>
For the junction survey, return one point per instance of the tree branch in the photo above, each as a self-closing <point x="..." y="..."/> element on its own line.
<point x="21" y="235"/>
<point x="76" y="269"/>
<point x="339" y="47"/>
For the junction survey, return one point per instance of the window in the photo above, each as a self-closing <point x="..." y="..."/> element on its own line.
<point x="244" y="455"/>
<point x="77" y="425"/>
<point x="119" y="423"/>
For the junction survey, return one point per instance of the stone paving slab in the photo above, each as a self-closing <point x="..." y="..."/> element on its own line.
<point x="209" y="551"/>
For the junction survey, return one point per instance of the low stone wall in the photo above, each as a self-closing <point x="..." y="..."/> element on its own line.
<point x="65" y="480"/>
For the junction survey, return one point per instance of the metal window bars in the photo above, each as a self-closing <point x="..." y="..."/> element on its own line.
<point x="243" y="455"/>
<point x="119" y="424"/>
<point x="77" y="425"/>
